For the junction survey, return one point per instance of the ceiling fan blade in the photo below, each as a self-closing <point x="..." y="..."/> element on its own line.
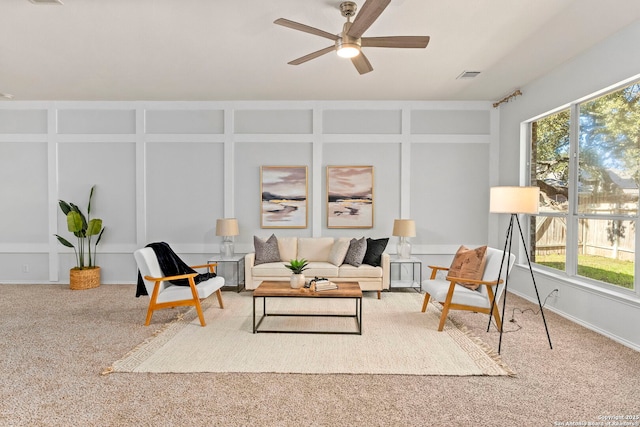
<point x="307" y="29"/>
<point x="361" y="63"/>
<point x="369" y="12"/>
<point x="396" y="41"/>
<point x="313" y="55"/>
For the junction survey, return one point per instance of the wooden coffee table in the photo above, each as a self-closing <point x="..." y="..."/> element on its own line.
<point x="269" y="289"/>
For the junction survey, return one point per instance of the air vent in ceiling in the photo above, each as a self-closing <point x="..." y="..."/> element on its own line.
<point x="468" y="74"/>
<point x="46" y="1"/>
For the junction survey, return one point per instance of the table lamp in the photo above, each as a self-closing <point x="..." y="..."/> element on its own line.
<point x="404" y="228"/>
<point x="227" y="227"/>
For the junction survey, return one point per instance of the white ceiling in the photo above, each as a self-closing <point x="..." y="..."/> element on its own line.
<point x="231" y="50"/>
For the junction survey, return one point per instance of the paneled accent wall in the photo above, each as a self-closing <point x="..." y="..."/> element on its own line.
<point x="165" y="171"/>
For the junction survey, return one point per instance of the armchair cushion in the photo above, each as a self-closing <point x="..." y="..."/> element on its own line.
<point x="355" y="254"/>
<point x="177" y="293"/>
<point x="375" y="248"/>
<point x="469" y="264"/>
<point x="438" y="290"/>
<point x="266" y="250"/>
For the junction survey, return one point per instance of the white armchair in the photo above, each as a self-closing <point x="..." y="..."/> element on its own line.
<point x="453" y="296"/>
<point x="164" y="294"/>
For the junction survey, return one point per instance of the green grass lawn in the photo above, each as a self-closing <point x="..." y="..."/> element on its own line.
<point x="604" y="269"/>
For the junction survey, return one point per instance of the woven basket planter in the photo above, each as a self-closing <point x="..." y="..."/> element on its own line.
<point x="85" y="278"/>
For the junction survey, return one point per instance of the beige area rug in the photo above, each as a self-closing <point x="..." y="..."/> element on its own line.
<point x="397" y="338"/>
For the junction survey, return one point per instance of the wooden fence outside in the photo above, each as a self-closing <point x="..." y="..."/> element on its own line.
<point x="551" y="237"/>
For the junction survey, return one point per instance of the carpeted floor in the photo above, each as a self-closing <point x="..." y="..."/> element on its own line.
<point x="56" y="342"/>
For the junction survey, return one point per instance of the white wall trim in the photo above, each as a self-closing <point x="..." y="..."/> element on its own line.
<point x="451" y="139"/>
<point x="141" y="184"/>
<point x="52" y="190"/>
<point x="152" y="138"/>
<point x="228" y="185"/>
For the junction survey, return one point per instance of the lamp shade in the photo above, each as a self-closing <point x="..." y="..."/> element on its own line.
<point x="227" y="227"/>
<point x="404" y="227"/>
<point x="514" y="200"/>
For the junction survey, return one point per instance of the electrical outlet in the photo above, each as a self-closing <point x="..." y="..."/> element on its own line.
<point x="25" y="268"/>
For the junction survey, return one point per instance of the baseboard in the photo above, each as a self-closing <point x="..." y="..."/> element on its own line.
<point x="581" y="322"/>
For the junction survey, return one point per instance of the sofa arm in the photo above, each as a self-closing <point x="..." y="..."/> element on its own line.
<point x="249" y="259"/>
<point x="385" y="263"/>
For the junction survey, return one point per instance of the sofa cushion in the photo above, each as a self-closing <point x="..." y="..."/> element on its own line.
<point x="321" y="269"/>
<point x="266" y="250"/>
<point x="339" y="251"/>
<point x="375" y="248"/>
<point x="271" y="269"/>
<point x="288" y="247"/>
<point x="364" y="271"/>
<point x="355" y="254"/>
<point x="315" y="248"/>
<point x="468" y="264"/>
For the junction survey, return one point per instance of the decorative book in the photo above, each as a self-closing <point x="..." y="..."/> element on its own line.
<point x="325" y="285"/>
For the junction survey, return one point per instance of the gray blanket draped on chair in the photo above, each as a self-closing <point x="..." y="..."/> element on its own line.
<point x="171" y="265"/>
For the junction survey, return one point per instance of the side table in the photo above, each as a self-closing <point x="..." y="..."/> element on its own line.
<point x="399" y="263"/>
<point x="232" y="269"/>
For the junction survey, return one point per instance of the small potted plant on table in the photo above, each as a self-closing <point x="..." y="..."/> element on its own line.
<point x="297" y="266"/>
<point x="85" y="274"/>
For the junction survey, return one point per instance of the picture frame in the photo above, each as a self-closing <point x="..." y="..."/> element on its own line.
<point x="350" y="197"/>
<point x="283" y="196"/>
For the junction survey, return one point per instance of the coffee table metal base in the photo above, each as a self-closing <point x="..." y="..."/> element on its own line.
<point x="282" y="290"/>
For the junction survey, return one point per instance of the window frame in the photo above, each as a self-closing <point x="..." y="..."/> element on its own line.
<point x="572" y="215"/>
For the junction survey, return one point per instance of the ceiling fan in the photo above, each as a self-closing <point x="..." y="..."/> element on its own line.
<point x="349" y="42"/>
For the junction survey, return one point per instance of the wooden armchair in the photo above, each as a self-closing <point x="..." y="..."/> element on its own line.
<point x="164" y="294"/>
<point x="453" y="296"/>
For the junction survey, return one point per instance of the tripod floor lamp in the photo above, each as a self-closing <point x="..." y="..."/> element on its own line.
<point x="514" y="201"/>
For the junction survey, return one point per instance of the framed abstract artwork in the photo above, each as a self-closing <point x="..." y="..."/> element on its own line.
<point x="349" y="196"/>
<point x="283" y="190"/>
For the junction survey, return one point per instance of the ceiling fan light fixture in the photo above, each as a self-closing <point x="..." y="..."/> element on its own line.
<point x="348" y="50"/>
<point x="346" y="46"/>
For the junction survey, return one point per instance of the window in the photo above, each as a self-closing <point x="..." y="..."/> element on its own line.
<point x="550" y="171"/>
<point x="586" y="161"/>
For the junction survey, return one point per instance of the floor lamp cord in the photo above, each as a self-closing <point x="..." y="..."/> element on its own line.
<point x="508" y="242"/>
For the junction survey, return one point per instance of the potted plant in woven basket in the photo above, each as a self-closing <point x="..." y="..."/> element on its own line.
<point x="297" y="266"/>
<point x="85" y="274"/>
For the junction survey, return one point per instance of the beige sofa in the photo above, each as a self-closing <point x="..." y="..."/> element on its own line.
<point x="318" y="251"/>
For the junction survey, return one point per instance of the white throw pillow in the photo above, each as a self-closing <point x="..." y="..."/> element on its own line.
<point x="288" y="247"/>
<point x="339" y="250"/>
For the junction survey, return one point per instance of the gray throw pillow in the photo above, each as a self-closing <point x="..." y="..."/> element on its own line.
<point x="266" y="251"/>
<point x="355" y="254"/>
